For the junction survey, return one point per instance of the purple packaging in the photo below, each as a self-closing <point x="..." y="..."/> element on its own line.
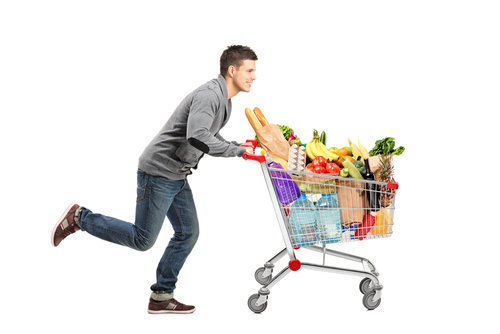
<point x="287" y="190"/>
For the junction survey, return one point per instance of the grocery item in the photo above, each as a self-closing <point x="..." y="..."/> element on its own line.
<point x="297" y="158"/>
<point x="303" y="222"/>
<point x="328" y="225"/>
<point x="322" y="137"/>
<point x="372" y="194"/>
<point x="363" y="151"/>
<point x="316" y="148"/>
<point x="360" y="166"/>
<point x="281" y="161"/>
<point x="366" y="226"/>
<point x="254" y="122"/>
<point x="355" y="151"/>
<point x="353" y="171"/>
<point x="260" y="116"/>
<point x="286" y="189"/>
<point x="352" y="201"/>
<point x="383" y="223"/>
<point x="332" y="168"/>
<point x="386" y="146"/>
<point x="386" y="172"/>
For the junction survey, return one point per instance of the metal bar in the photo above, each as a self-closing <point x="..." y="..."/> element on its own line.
<point x="343" y="271"/>
<point x="336" y="253"/>
<point x="277" y="210"/>
<point x="278" y="256"/>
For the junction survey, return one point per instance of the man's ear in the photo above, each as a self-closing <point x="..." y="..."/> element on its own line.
<point x="230" y="71"/>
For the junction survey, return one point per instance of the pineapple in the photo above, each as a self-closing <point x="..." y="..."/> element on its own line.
<point x="386" y="170"/>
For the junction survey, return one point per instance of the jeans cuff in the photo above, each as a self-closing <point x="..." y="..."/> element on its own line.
<point x="162" y="296"/>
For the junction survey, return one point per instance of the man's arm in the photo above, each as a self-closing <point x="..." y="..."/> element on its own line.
<point x="201" y="117"/>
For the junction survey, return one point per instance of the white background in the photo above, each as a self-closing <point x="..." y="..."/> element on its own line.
<point x="85" y="85"/>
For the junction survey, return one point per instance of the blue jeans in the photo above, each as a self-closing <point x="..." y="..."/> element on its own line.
<point x="156" y="197"/>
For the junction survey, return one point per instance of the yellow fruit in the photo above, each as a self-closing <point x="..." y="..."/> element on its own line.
<point x="383" y="223"/>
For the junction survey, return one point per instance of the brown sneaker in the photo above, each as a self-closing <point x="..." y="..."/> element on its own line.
<point x="65" y="225"/>
<point x="169" y="306"/>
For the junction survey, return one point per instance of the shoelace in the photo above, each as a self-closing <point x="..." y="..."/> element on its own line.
<point x="69" y="230"/>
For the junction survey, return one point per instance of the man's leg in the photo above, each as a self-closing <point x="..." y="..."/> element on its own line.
<point x="154" y="197"/>
<point x="184" y="220"/>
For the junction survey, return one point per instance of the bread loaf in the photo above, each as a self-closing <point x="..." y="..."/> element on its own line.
<point x="254" y="122"/>
<point x="260" y="116"/>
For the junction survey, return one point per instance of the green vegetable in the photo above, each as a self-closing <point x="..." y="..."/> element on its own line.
<point x="385" y="147"/>
<point x="353" y="171"/>
<point x="315" y="132"/>
<point x="344" y="172"/>
<point x="322" y="138"/>
<point x="285" y="130"/>
<point x="298" y="142"/>
<point x="360" y="166"/>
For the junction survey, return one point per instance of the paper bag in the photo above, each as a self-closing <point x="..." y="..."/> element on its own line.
<point x="374" y="165"/>
<point x="352" y="201"/>
<point x="272" y="140"/>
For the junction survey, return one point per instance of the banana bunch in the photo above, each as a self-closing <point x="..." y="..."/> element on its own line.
<point x="316" y="148"/>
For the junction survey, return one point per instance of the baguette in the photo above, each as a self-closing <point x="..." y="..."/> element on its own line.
<point x="260" y="116"/>
<point x="254" y="122"/>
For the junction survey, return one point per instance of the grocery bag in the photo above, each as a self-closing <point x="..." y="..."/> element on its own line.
<point x="374" y="162"/>
<point x="272" y="140"/>
<point x="286" y="189"/>
<point x="352" y="201"/>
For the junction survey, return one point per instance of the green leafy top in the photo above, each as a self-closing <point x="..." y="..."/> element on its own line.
<point x="386" y="146"/>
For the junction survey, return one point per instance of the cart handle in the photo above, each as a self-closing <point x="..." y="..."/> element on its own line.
<point x="255" y="157"/>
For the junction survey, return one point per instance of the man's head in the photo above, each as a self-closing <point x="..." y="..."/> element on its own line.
<point x="237" y="65"/>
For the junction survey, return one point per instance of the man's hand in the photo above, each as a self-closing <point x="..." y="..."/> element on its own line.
<point x="249" y="147"/>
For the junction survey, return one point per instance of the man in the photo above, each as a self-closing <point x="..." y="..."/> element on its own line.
<point x="162" y="186"/>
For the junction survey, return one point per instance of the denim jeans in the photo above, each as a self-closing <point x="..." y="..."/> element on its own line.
<point x="156" y="197"/>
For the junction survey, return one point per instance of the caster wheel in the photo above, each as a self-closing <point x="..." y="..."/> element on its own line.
<point x="260" y="279"/>
<point x="251" y="304"/>
<point x="364" y="286"/>
<point x="368" y="300"/>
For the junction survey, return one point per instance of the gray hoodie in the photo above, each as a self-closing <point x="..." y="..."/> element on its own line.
<point x="191" y="131"/>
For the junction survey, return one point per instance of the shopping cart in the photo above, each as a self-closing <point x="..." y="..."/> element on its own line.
<point x="314" y="210"/>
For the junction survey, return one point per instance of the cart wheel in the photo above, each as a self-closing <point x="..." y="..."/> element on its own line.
<point x="368" y="300"/>
<point x="260" y="279"/>
<point x="364" y="286"/>
<point x="251" y="304"/>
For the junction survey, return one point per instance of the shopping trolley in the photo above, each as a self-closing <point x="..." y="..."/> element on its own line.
<point x="315" y="210"/>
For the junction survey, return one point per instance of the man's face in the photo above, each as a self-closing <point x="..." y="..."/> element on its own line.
<point x="244" y="76"/>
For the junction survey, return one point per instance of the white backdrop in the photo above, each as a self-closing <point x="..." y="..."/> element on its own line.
<point x="85" y="85"/>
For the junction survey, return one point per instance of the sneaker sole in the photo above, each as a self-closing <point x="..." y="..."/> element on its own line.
<point x="59" y="222"/>
<point x="171" y="311"/>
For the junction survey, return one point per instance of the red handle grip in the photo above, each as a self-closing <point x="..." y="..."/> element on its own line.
<point x="253" y="142"/>
<point x="255" y="157"/>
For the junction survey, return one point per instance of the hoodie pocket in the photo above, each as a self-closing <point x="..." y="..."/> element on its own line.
<point x="188" y="155"/>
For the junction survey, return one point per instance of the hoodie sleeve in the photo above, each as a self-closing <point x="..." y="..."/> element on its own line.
<point x="218" y="136"/>
<point x="201" y="117"/>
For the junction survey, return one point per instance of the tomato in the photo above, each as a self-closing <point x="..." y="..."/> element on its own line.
<point x="319" y="161"/>
<point x="332" y="168"/>
<point x="319" y="169"/>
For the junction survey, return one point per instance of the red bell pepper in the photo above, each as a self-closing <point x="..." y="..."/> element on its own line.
<point x="365" y="227"/>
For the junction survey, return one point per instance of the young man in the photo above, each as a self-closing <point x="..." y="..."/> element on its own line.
<point x="162" y="186"/>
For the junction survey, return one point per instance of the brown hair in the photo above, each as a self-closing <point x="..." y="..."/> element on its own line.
<point x="235" y="55"/>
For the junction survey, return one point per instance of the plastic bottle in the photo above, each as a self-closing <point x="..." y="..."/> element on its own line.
<point x="328" y="219"/>
<point x="303" y="220"/>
